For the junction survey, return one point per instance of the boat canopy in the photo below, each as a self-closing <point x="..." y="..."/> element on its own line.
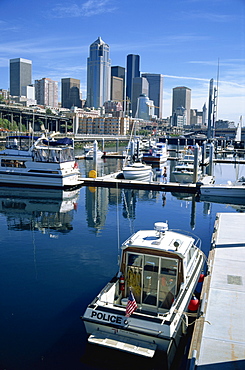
<point x="63" y="141"/>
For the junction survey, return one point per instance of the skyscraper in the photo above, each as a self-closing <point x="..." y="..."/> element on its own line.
<point x="70" y="93"/>
<point x="133" y="70"/>
<point x="98" y="74"/>
<point x="20" y="75"/>
<point x="155" y="91"/>
<point x="140" y="86"/>
<point x="118" y="86"/>
<point x="46" y="92"/>
<point x="182" y="98"/>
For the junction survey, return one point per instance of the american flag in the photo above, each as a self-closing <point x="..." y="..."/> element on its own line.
<point x="131" y="305"/>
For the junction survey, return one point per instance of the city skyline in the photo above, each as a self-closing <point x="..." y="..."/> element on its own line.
<point x="182" y="40"/>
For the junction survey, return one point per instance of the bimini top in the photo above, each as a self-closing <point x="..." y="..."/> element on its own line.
<point x="160" y="239"/>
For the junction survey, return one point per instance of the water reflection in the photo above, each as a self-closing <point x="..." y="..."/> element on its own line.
<point x="37" y="209"/>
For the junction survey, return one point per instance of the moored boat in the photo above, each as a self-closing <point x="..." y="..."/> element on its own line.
<point x="235" y="189"/>
<point x="157" y="154"/>
<point x="137" y="171"/>
<point x="184" y="172"/>
<point x="142" y="310"/>
<point x="39" y="162"/>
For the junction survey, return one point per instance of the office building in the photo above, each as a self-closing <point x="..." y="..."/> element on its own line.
<point x="98" y="74"/>
<point x="182" y="98"/>
<point x="118" y="84"/>
<point x="117" y="89"/>
<point x="70" y="93"/>
<point x="20" y="75"/>
<point x="133" y="70"/>
<point x="46" y="91"/>
<point x="140" y="86"/>
<point x="155" y="91"/>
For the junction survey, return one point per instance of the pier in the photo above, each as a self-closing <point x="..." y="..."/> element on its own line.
<point x="110" y="181"/>
<point x="218" y="340"/>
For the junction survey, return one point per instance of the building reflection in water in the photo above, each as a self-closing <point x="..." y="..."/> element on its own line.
<point x="38" y="209"/>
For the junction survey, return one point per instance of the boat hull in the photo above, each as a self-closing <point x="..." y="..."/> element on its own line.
<point x="229" y="191"/>
<point x="138" y="172"/>
<point x="45" y="175"/>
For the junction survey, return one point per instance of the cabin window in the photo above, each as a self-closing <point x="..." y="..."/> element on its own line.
<point x="12" y="163"/>
<point x="150" y="280"/>
<point x="153" y="280"/>
<point x="167" y="282"/>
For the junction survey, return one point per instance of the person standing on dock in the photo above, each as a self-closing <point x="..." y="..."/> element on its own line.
<point x="164" y="175"/>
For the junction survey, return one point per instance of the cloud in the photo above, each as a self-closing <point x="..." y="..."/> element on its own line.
<point x="208" y="16"/>
<point x="6" y="27"/>
<point x="86" y="9"/>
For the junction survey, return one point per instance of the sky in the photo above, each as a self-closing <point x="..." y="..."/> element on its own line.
<point x="190" y="42"/>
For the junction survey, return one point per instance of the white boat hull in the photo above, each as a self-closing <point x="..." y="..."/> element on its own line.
<point x="138" y="172"/>
<point x="35" y="174"/>
<point x="151" y="267"/>
<point x="229" y="191"/>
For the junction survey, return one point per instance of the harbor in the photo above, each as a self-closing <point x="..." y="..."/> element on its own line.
<point x="63" y="248"/>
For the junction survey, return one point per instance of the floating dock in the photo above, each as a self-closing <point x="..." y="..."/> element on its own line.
<point x="218" y="340"/>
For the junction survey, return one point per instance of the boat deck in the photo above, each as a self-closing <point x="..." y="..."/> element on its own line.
<point x="218" y="340"/>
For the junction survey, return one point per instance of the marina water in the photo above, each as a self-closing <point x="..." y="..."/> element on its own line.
<point x="56" y="255"/>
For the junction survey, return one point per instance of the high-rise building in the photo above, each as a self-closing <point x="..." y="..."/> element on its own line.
<point x="46" y="91"/>
<point x="98" y="74"/>
<point x="133" y="70"/>
<point x="140" y="86"/>
<point x="182" y="98"/>
<point x="20" y="75"/>
<point x="70" y="93"/>
<point x="117" y="89"/>
<point x="118" y="83"/>
<point x="155" y="91"/>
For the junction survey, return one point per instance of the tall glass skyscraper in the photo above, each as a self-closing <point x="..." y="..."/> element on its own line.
<point x="155" y="91"/>
<point x="133" y="70"/>
<point x="98" y="74"/>
<point x="20" y="75"/>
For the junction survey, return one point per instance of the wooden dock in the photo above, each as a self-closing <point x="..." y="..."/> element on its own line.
<point x="110" y="182"/>
<point x="218" y="340"/>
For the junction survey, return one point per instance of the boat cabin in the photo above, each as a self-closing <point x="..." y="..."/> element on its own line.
<point x="155" y="267"/>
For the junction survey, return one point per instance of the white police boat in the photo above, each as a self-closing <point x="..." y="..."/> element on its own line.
<point x="161" y="267"/>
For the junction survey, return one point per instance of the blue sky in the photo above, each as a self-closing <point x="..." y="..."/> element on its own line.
<point x="181" y="39"/>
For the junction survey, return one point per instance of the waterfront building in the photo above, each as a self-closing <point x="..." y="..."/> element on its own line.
<point x="133" y="70"/>
<point x="46" y="92"/>
<point x="70" y="93"/>
<point x="140" y="86"/>
<point x="182" y="98"/>
<point x="20" y="75"/>
<point x="155" y="92"/>
<point x="145" y="108"/>
<point x="103" y="125"/>
<point x="98" y="74"/>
